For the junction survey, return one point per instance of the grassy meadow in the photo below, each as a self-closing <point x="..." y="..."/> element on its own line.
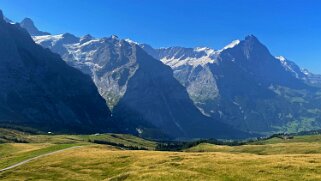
<point x="273" y="159"/>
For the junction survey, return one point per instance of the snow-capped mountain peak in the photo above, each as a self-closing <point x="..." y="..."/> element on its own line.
<point x="86" y="38"/>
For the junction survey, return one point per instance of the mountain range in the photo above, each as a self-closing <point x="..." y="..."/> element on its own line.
<point x="144" y="96"/>
<point x="138" y="88"/>
<point x="200" y="92"/>
<point x="245" y="86"/>
<point x="242" y="84"/>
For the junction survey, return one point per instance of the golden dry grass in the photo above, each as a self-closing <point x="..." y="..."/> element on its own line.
<point x="273" y="159"/>
<point x="104" y="163"/>
<point x="266" y="149"/>
<point x="12" y="153"/>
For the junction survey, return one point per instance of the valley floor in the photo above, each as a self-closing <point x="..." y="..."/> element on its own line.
<point x="273" y="159"/>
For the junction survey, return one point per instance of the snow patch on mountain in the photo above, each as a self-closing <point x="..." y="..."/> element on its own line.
<point x="184" y="56"/>
<point x="306" y="72"/>
<point x="53" y="39"/>
<point x="289" y="66"/>
<point x="84" y="57"/>
<point x="231" y="45"/>
<point x="174" y="62"/>
<point x="281" y="58"/>
<point x="131" y="41"/>
<point x="208" y="51"/>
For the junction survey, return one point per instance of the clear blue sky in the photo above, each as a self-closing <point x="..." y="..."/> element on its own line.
<point x="288" y="27"/>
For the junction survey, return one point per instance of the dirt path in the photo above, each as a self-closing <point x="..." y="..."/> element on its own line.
<point x="34" y="158"/>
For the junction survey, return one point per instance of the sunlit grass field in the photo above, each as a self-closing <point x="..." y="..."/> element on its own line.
<point x="267" y="149"/>
<point x="274" y="159"/>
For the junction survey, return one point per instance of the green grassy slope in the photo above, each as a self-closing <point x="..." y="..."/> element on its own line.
<point x="17" y="146"/>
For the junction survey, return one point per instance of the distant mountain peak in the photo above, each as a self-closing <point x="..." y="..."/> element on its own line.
<point x="28" y="21"/>
<point x="68" y="35"/>
<point x="250" y="47"/>
<point x="114" y="37"/>
<point x="86" y="38"/>
<point x="251" y="38"/>
<point x="28" y="24"/>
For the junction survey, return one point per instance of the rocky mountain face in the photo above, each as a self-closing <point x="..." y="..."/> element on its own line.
<point x="140" y="90"/>
<point x="39" y="90"/>
<point x="191" y="69"/>
<point x="245" y="86"/>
